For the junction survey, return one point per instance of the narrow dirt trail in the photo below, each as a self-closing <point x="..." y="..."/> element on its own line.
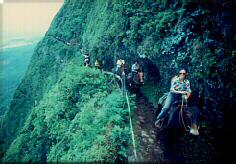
<point x="149" y="148"/>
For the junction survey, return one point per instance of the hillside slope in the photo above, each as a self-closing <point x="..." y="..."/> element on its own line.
<point x="82" y="118"/>
<point x="168" y="34"/>
<point x="14" y="62"/>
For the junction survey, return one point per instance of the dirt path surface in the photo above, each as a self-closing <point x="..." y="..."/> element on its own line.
<point x="148" y="145"/>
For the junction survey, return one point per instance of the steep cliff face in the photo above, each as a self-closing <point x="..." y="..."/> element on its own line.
<point x="82" y="118"/>
<point x="169" y="35"/>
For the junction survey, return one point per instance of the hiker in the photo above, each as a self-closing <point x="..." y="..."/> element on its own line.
<point x="97" y="64"/>
<point x="179" y="85"/>
<point x="134" y="70"/>
<point x="120" y="66"/>
<point x="86" y="58"/>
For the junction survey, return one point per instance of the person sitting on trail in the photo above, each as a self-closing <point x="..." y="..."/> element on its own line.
<point x="134" y="70"/>
<point x="179" y="85"/>
<point x="120" y="66"/>
<point x="97" y="64"/>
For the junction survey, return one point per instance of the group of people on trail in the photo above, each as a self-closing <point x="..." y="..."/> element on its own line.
<point x="179" y="86"/>
<point x="136" y="70"/>
<point x="87" y="60"/>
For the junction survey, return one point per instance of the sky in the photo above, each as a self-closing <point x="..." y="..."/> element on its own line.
<point x="26" y="18"/>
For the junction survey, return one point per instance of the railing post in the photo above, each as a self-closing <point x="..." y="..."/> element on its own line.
<point x="122" y="79"/>
<point x="123" y="83"/>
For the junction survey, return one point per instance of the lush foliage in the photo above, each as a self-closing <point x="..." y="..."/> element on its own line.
<point x="82" y="118"/>
<point x="171" y="34"/>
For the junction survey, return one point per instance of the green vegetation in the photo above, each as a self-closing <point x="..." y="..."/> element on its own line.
<point x="82" y="118"/>
<point x="62" y="111"/>
<point x="153" y="93"/>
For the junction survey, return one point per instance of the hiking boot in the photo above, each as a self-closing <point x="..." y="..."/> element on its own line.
<point x="194" y="130"/>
